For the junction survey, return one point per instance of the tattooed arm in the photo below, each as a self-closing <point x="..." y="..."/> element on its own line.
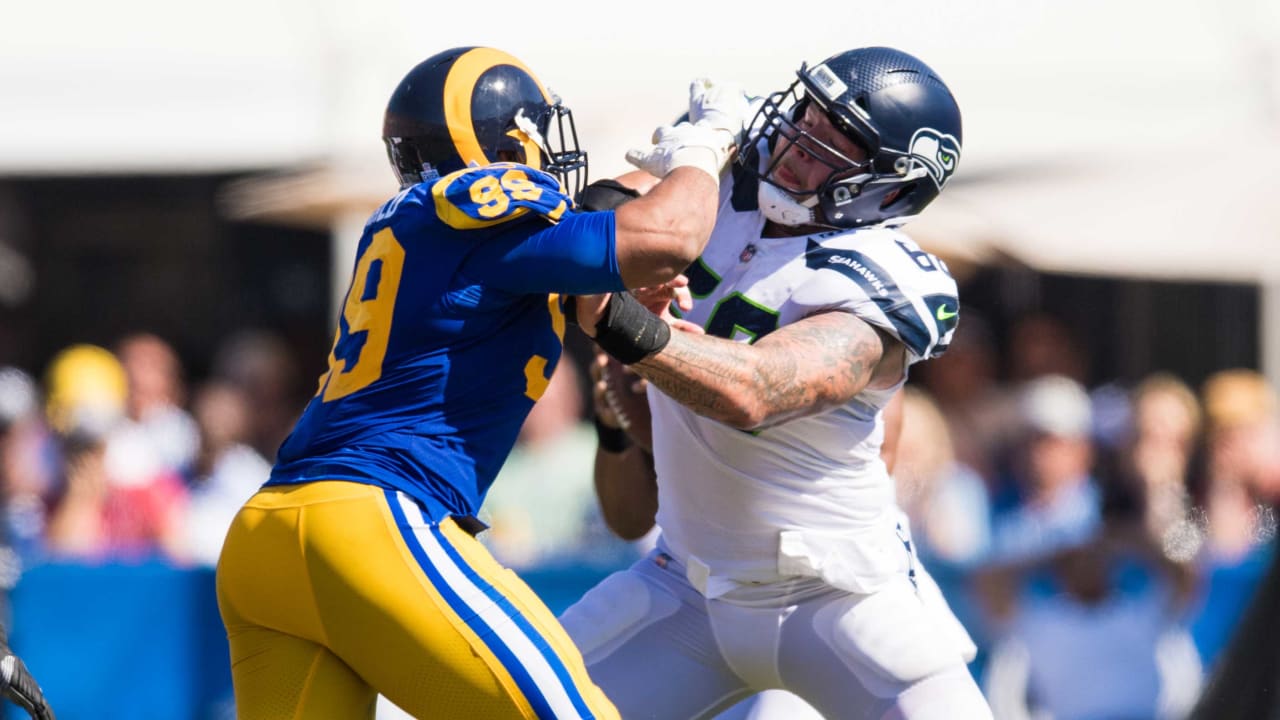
<point x="800" y="369"/>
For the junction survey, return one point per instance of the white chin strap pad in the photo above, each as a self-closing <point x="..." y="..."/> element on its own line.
<point x="780" y="207"/>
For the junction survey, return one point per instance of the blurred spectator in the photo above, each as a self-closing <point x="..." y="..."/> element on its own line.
<point x="1240" y="408"/>
<point x="980" y="413"/>
<point x="1052" y="500"/>
<point x="85" y="390"/>
<point x="1236" y="488"/>
<point x="19" y="410"/>
<point x="1072" y="622"/>
<point x="76" y="528"/>
<point x="261" y="364"/>
<point x="946" y="500"/>
<point x="1041" y="344"/>
<point x="24" y="477"/>
<point x="156" y="397"/>
<point x="117" y="501"/>
<point x="1094" y="633"/>
<point x="226" y="473"/>
<point x="1244" y="679"/>
<point x="1166" y="422"/>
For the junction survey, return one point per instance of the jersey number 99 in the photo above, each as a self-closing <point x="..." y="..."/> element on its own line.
<point x="370" y="302"/>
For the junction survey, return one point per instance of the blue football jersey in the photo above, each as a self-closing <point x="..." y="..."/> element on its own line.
<point x="450" y="331"/>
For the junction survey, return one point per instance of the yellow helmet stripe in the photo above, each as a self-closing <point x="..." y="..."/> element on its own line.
<point x="463" y="76"/>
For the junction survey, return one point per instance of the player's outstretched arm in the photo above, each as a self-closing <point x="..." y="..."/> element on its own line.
<point x="627" y="490"/>
<point x="801" y="369"/>
<point x="625" y="482"/>
<point x="656" y="236"/>
<point x="662" y="232"/>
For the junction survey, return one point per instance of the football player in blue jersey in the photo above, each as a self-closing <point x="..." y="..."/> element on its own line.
<point x="354" y="571"/>
<point x="783" y="560"/>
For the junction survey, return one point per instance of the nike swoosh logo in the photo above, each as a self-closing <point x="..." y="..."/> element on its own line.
<point x="942" y="313"/>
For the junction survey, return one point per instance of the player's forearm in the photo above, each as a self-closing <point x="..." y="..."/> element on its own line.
<point x="661" y="233"/>
<point x="627" y="490"/>
<point x="802" y="369"/>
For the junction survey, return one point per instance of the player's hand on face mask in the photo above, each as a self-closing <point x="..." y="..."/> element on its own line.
<point x="686" y="144"/>
<point x="719" y="105"/>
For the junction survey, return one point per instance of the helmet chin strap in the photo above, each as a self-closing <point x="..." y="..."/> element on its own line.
<point x="779" y="207"/>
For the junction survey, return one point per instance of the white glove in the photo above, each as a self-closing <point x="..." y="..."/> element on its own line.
<point x="708" y="149"/>
<point x="722" y="106"/>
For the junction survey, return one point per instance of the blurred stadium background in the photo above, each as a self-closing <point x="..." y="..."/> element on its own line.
<point x="182" y="186"/>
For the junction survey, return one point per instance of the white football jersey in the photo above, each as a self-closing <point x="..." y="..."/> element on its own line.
<point x="810" y="496"/>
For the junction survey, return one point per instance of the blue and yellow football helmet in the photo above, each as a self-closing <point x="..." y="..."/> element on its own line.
<point x="479" y="105"/>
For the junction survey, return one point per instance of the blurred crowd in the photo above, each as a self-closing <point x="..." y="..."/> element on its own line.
<point x="1082" y="531"/>
<point x="110" y="456"/>
<point x="1086" y="534"/>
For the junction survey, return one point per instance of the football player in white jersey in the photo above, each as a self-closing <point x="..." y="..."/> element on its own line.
<point x="627" y="492"/>
<point x="783" y="560"/>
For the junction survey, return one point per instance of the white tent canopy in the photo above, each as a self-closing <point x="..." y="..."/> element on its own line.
<point x="1150" y="217"/>
<point x="1100" y="136"/>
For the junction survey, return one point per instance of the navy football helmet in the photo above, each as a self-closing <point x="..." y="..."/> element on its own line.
<point x="478" y="105"/>
<point x="891" y="105"/>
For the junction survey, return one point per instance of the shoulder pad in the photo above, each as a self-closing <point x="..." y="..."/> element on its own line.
<point x="481" y="197"/>
<point x="605" y="195"/>
<point x="900" y="288"/>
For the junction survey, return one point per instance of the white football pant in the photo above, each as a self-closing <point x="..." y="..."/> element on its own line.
<point x="661" y="650"/>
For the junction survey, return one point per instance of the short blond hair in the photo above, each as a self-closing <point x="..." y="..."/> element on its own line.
<point x="1237" y="397"/>
<point x="1163" y="383"/>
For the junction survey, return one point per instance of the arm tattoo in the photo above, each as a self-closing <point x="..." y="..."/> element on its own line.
<point x="800" y="369"/>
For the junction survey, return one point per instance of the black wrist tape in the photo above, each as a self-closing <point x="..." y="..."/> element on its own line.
<point x="628" y="331"/>
<point x="611" y="439"/>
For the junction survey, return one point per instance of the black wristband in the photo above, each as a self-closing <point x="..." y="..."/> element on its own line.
<point x="628" y="331"/>
<point x="612" y="440"/>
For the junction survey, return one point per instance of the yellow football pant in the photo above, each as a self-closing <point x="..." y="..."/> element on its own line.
<point x="332" y="592"/>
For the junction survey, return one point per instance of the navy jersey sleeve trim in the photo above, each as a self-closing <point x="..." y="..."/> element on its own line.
<point x="880" y="287"/>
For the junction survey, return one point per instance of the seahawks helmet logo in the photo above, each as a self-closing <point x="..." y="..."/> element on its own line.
<point x="938" y="153"/>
